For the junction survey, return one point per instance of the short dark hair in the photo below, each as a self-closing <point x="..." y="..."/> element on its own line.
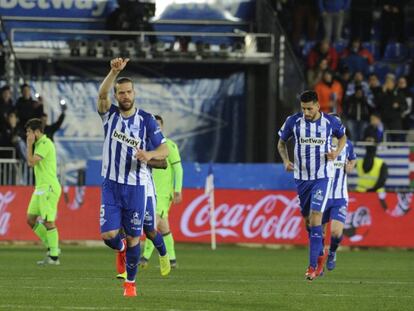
<point x="158" y="117"/>
<point x="308" y="96"/>
<point x="23" y="86"/>
<point x="34" y="124"/>
<point x="5" y="88"/>
<point x="122" y="80"/>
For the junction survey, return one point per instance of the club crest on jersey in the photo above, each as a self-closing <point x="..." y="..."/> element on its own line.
<point x="124" y="139"/>
<point x="316" y="141"/>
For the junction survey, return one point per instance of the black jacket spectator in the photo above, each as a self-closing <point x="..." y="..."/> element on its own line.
<point x="27" y="108"/>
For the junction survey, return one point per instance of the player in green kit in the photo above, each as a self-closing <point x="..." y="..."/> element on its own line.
<point x="41" y="155"/>
<point x="168" y="185"/>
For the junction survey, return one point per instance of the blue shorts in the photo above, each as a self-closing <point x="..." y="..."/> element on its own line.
<point x="122" y="206"/>
<point x="313" y="194"/>
<point x="336" y="210"/>
<point x="150" y="223"/>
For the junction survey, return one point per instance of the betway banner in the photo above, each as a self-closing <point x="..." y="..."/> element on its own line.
<point x="242" y="216"/>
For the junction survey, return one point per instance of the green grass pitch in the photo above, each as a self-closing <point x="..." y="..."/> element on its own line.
<point x="230" y="278"/>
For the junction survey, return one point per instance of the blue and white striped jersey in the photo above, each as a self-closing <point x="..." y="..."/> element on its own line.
<point x="122" y="136"/>
<point x="340" y="184"/>
<point x="312" y="143"/>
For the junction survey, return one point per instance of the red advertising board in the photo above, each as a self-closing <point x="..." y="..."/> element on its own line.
<point x="242" y="216"/>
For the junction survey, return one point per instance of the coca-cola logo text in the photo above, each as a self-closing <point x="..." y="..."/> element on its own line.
<point x="271" y="217"/>
<point x="5" y="216"/>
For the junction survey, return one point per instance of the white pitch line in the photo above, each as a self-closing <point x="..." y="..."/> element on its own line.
<point x="224" y="292"/>
<point x="361" y="282"/>
<point x="13" y="307"/>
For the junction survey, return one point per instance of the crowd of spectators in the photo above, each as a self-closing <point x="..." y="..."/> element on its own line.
<point x="13" y="117"/>
<point x="344" y="50"/>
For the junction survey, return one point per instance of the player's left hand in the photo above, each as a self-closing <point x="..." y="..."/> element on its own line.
<point x="143" y="156"/>
<point x="30" y="139"/>
<point x="178" y="197"/>
<point x="348" y="168"/>
<point x="332" y="155"/>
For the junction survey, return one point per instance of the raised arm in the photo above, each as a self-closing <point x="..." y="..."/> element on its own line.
<point x="117" y="65"/>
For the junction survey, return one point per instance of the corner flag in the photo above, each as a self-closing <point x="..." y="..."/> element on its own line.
<point x="209" y="190"/>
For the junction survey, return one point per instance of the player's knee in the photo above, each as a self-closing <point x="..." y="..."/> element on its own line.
<point x="151" y="234"/>
<point x="49" y="225"/>
<point x="108" y="235"/>
<point x="132" y="241"/>
<point x="336" y="233"/>
<point x="31" y="222"/>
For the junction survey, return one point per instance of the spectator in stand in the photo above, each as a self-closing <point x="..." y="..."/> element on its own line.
<point x="329" y="93"/>
<point x="333" y="13"/>
<point x="376" y="89"/>
<point x="392" y="106"/>
<point x="314" y="75"/>
<point x="358" y="81"/>
<point x="50" y="130"/>
<point x="10" y="137"/>
<point x="304" y="12"/>
<point x="356" y="112"/>
<point x="323" y="50"/>
<point x="6" y="104"/>
<point x="403" y="90"/>
<point x="375" y="128"/>
<point x="27" y="108"/>
<point x="356" y="57"/>
<point x="344" y="77"/>
<point x="361" y="18"/>
<point x="392" y="22"/>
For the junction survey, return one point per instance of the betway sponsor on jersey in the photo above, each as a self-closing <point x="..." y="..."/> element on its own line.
<point x="315" y="141"/>
<point x="339" y="165"/>
<point x="125" y="139"/>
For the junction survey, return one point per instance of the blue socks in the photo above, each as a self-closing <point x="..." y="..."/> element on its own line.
<point x="315" y="244"/>
<point x="159" y="244"/>
<point x="132" y="258"/>
<point x="335" y="243"/>
<point x="115" y="243"/>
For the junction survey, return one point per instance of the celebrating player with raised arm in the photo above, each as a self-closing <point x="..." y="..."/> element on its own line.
<point x="313" y="167"/>
<point x="128" y="131"/>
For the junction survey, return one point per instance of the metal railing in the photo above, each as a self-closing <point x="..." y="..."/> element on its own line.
<point x="15" y="172"/>
<point x="405" y="136"/>
<point x="263" y="49"/>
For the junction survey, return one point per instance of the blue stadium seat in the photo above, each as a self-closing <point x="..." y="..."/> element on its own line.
<point x="381" y="70"/>
<point x="402" y="70"/>
<point x="307" y="47"/>
<point x="395" y="52"/>
<point x="356" y="63"/>
<point x="340" y="46"/>
<point x="373" y="47"/>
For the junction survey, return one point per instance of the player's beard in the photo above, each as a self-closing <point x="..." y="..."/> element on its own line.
<point x="126" y="105"/>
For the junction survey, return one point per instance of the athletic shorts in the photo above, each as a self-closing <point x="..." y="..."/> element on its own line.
<point x="163" y="206"/>
<point x="44" y="202"/>
<point x="122" y="206"/>
<point x="313" y="194"/>
<point x="150" y="220"/>
<point x="336" y="209"/>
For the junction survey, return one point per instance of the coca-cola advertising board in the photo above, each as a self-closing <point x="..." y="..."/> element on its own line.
<point x="242" y="216"/>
